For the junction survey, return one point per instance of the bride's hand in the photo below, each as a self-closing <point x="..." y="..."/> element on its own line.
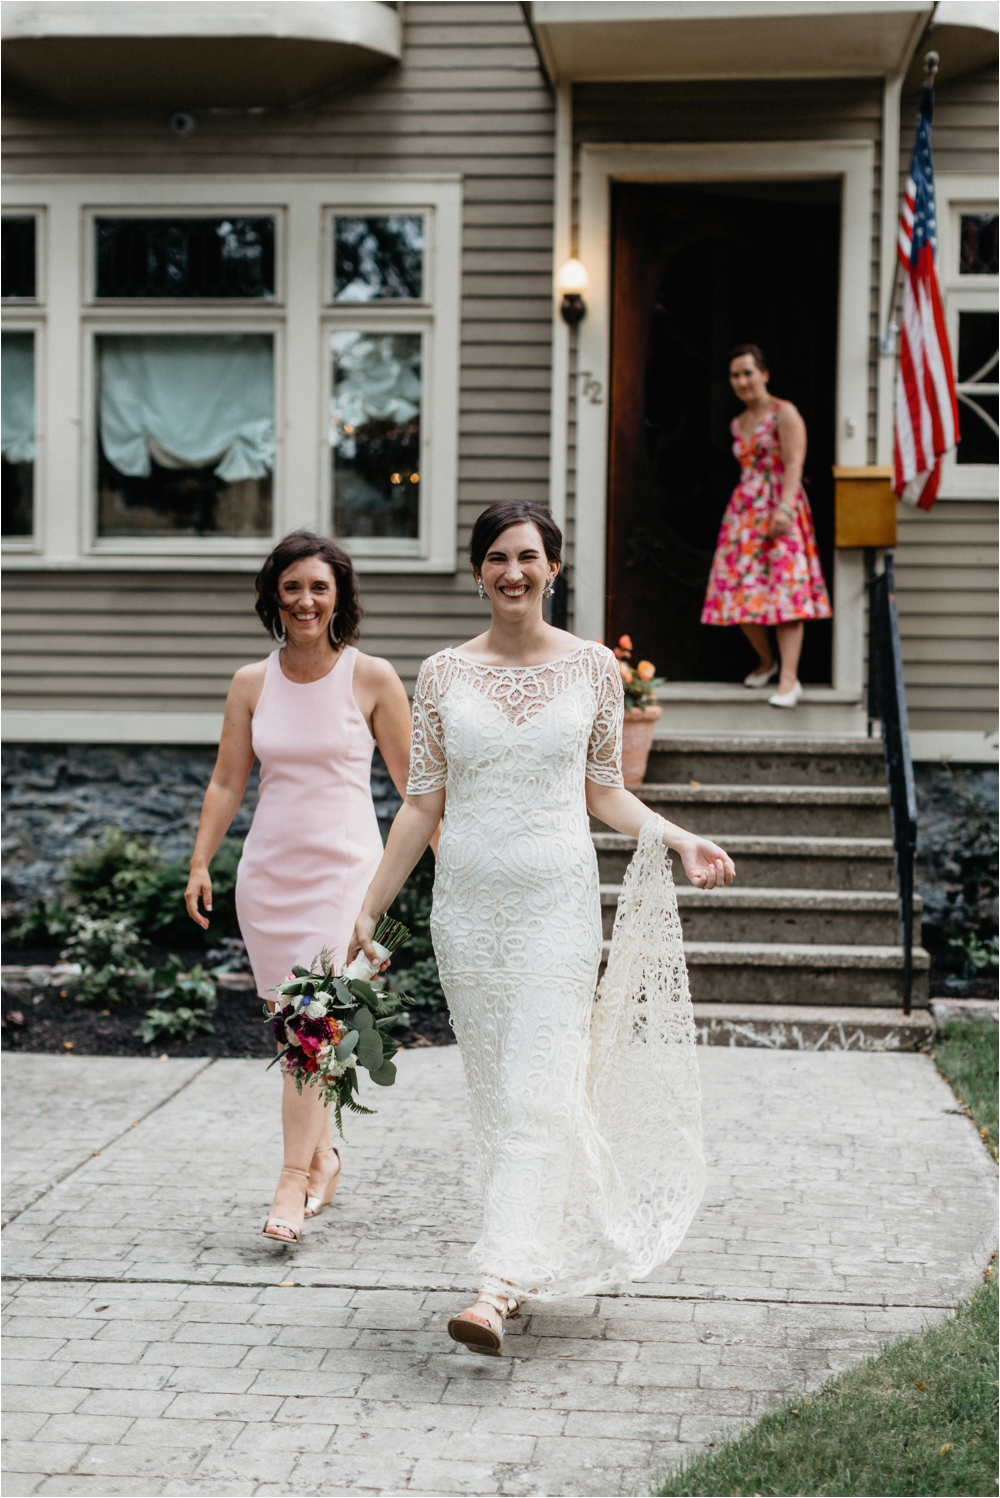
<point x="364" y="931"/>
<point x="706" y="864"/>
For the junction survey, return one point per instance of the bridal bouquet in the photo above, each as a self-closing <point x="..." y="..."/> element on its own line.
<point x="330" y="1024"/>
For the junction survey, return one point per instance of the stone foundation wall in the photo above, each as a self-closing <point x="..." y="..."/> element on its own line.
<point x="56" y="797"/>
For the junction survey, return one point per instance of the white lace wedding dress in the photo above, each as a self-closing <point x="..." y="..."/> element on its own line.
<point x="585" y="1110"/>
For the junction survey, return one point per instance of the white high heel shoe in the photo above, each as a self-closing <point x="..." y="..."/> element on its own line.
<point x="762" y="678"/>
<point x="315" y="1204"/>
<point x="787" y="699"/>
<point x="480" y="1328"/>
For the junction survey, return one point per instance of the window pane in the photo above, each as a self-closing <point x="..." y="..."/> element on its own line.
<point x="17" y="398"/>
<point x="185" y="434"/>
<point x="977" y="387"/>
<point x="185" y="257"/>
<point x="379" y="259"/>
<point x="979" y="244"/>
<point x="18" y="257"/>
<point x="375" y="433"/>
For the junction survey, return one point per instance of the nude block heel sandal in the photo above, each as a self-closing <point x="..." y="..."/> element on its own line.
<point x="486" y="1335"/>
<point x="315" y="1204"/>
<point x="279" y="1222"/>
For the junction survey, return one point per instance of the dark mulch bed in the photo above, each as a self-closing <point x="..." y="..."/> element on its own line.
<point x="53" y="1022"/>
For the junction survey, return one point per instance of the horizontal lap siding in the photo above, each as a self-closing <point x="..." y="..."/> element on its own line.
<point x="946" y="582"/>
<point x="946" y="560"/>
<point x="468" y="97"/>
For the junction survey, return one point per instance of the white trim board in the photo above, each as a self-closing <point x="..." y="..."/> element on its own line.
<point x="853" y="163"/>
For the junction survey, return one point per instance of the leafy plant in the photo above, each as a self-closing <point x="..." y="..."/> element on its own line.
<point x="978" y="955"/>
<point x="45" y="925"/>
<point x="416" y="975"/>
<point x="638" y="681"/>
<point x="174" y="1024"/>
<point x="192" y="1000"/>
<point x="108" y="949"/>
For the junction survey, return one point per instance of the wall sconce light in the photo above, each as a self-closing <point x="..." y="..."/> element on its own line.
<point x="572" y="281"/>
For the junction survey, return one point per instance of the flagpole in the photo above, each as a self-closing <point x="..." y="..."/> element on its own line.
<point x="887" y="340"/>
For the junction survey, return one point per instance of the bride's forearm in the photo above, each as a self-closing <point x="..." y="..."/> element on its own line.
<point x="411" y="832"/>
<point x="626" y="813"/>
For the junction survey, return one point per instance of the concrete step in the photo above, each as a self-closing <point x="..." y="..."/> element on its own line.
<point x="824" y="811"/>
<point x="838" y="917"/>
<point x="732" y="759"/>
<point x="842" y="863"/>
<point x="802" y="973"/>
<point x="804" y="1027"/>
<point x="717" y="707"/>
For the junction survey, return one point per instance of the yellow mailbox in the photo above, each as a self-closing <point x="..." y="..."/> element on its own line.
<point x="865" y="513"/>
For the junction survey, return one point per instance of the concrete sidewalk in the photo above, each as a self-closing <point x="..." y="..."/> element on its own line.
<point x="154" y="1344"/>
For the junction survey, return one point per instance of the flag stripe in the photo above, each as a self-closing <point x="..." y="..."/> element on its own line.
<point x="926" y="403"/>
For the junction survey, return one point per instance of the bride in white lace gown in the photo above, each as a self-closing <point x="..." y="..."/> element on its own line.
<point x="590" y="1165"/>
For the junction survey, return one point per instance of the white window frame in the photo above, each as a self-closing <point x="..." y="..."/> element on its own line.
<point x="957" y="195"/>
<point x="27" y="315"/>
<point x="300" y="317"/>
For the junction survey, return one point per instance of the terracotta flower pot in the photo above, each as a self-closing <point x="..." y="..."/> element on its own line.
<point x="637" y="740"/>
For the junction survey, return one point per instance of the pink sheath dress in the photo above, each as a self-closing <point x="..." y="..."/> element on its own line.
<point x="314" y="844"/>
<point x="755" y="580"/>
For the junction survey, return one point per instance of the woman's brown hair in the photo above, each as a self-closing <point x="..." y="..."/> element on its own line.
<point x="295" y="547"/>
<point x="501" y="516"/>
<point x="756" y="353"/>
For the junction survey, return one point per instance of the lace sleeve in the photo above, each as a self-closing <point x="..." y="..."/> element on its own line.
<point x="428" y="761"/>
<point x="604" y="752"/>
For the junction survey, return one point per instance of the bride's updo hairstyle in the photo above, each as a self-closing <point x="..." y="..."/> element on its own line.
<point x="501" y="516"/>
<point x="295" y="547"/>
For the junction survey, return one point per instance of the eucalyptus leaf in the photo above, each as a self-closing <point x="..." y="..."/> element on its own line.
<point x="364" y="991"/>
<point x="346" y="1046"/>
<point x="370" y="1052"/>
<point x="386" y="1074"/>
<point x="342" y="991"/>
<point x="362" y="1020"/>
<point x="300" y="971"/>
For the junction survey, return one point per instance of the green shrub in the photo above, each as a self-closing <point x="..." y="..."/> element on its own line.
<point x="108" y="949"/>
<point x="185" y="1003"/>
<point x="47" y="924"/>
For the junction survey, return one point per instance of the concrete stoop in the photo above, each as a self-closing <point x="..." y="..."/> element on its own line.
<point x="802" y="1027"/>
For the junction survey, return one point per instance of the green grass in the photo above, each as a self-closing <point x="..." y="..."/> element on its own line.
<point x="966" y="1054"/>
<point x="918" y="1419"/>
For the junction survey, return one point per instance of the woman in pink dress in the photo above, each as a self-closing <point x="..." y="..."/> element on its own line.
<point x="312" y="713"/>
<point x="766" y="569"/>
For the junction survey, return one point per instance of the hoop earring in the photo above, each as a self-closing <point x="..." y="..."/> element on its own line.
<point x="332" y="632"/>
<point x="550" y="588"/>
<point x="280" y="637"/>
<point x="482" y="590"/>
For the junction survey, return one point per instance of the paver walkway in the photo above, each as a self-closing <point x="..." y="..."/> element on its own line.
<point x="154" y="1346"/>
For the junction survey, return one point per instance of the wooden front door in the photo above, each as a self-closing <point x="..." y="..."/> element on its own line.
<point x="696" y="269"/>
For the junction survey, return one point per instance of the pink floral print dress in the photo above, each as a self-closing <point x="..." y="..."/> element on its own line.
<point x="756" y="580"/>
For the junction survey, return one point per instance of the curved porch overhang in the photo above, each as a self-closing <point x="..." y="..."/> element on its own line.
<point x="605" y="40"/>
<point x="193" y="53"/>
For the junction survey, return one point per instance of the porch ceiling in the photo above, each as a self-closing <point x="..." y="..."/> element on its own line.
<point x="192" y="53"/>
<point x="602" y="40"/>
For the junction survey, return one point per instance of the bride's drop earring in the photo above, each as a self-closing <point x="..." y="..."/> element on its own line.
<point x="550" y="588"/>
<point x="482" y="590"/>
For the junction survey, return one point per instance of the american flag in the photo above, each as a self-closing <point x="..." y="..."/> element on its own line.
<point x="926" y="406"/>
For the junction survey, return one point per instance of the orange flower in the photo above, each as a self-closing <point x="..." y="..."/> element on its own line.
<point x="626" y="673"/>
<point x="645" y="670"/>
<point x="625" y="641"/>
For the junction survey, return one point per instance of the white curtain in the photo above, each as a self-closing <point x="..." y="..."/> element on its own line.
<point x="377" y="379"/>
<point x="17" y="399"/>
<point x="188" y="401"/>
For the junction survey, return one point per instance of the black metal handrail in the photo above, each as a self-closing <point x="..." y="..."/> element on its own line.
<point x="887" y="705"/>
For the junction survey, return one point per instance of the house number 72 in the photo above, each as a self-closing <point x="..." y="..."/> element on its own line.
<point x="591" y="388"/>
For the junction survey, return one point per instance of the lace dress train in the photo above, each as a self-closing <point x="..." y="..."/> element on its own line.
<point x="586" y="1117"/>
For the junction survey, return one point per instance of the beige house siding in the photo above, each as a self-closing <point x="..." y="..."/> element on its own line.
<point x="468" y="97"/>
<point x="946" y="559"/>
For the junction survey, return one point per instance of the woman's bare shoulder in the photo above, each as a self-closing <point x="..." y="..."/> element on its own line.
<point x="248" y="683"/>
<point x="375" y="671"/>
<point x="788" y="412"/>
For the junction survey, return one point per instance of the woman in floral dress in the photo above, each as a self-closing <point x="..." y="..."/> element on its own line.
<point x="766" y="570"/>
